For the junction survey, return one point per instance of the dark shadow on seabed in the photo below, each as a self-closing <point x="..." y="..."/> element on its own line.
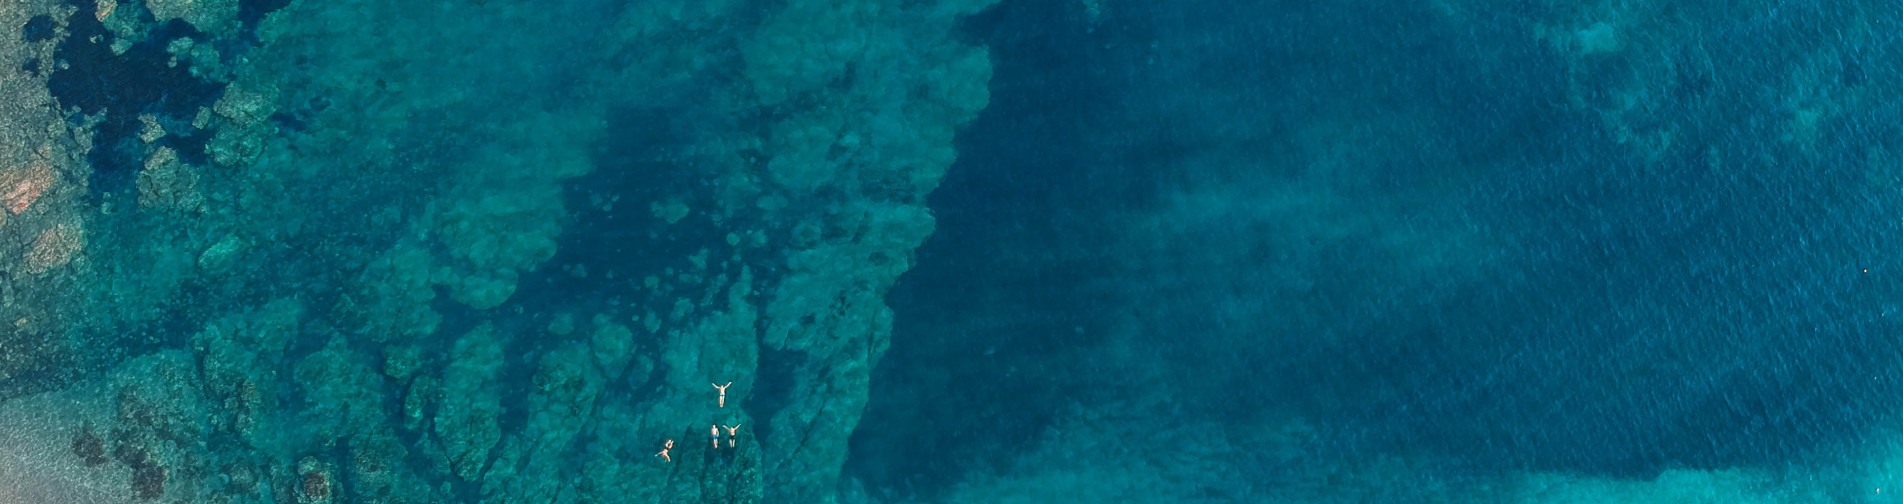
<point x="967" y="380"/>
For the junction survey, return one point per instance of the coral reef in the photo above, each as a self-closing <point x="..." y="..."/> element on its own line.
<point x="367" y="251"/>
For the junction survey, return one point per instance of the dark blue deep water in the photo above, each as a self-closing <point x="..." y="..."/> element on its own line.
<point x="1715" y="303"/>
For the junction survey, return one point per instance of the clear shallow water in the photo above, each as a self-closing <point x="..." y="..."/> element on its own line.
<point x="958" y="251"/>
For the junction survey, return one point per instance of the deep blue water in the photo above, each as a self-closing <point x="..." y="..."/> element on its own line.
<point x="1720" y="303"/>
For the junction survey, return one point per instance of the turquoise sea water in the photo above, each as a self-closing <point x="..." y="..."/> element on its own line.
<point x="960" y="251"/>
